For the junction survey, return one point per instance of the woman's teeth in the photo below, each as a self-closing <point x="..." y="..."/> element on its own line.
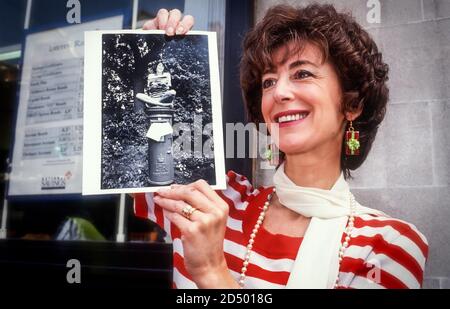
<point x="292" y="117"/>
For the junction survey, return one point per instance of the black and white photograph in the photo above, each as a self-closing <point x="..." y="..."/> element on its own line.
<point x="152" y="111"/>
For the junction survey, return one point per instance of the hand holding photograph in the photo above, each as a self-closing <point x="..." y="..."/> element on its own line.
<point x="152" y="113"/>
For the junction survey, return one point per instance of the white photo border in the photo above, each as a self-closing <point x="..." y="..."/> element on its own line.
<point x="92" y="132"/>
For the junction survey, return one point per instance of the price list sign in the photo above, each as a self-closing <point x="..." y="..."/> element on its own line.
<point x="53" y="143"/>
<point x="55" y="93"/>
<point x="47" y="152"/>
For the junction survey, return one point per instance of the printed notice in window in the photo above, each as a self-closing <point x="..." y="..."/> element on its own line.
<point x="48" y="141"/>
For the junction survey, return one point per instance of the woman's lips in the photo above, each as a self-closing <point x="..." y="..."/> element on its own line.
<point x="290" y="117"/>
<point x="292" y="122"/>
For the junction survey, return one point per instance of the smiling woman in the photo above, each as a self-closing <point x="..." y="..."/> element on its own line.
<point x="301" y="98"/>
<point x="308" y="73"/>
<point x="325" y="48"/>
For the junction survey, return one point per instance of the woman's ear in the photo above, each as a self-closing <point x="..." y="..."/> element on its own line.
<point x="353" y="107"/>
<point x="352" y="115"/>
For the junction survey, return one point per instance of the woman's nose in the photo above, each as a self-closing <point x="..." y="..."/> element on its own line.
<point x="283" y="91"/>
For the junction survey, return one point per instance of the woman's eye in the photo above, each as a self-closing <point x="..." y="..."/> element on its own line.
<point x="302" y="74"/>
<point x="268" y="83"/>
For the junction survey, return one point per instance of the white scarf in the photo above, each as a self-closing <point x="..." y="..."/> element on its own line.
<point x="317" y="265"/>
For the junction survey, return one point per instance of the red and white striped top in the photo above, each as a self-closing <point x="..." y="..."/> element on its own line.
<point x="382" y="253"/>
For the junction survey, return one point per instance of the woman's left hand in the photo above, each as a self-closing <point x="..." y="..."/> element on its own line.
<point x="202" y="232"/>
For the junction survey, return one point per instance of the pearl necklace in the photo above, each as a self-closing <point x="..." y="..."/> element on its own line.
<point x="262" y="215"/>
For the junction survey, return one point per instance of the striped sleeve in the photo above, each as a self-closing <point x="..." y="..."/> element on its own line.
<point x="385" y="253"/>
<point x="237" y="194"/>
<point x="144" y="207"/>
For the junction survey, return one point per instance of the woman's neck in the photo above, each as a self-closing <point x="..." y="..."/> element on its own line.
<point x="313" y="170"/>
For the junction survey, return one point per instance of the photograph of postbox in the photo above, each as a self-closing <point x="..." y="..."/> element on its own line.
<point x="157" y="124"/>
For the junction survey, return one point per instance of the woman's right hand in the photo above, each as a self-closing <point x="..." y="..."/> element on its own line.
<point x="170" y="21"/>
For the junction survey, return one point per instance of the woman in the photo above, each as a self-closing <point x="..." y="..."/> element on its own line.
<point x="316" y="78"/>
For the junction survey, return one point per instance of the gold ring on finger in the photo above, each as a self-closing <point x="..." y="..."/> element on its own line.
<point x="187" y="211"/>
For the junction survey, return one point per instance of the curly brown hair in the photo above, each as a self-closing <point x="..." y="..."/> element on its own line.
<point x="343" y="42"/>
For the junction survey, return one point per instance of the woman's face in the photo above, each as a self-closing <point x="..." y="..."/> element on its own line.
<point x="301" y="101"/>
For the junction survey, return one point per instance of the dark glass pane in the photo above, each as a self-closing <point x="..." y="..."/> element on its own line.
<point x="148" y="8"/>
<point x="12" y="18"/>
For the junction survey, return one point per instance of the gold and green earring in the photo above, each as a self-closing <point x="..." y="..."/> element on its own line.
<point x="272" y="154"/>
<point x="352" y="141"/>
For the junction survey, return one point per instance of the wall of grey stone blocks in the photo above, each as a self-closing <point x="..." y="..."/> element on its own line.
<point x="407" y="173"/>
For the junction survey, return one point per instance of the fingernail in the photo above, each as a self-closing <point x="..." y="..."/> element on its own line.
<point x="170" y="31"/>
<point x="180" y="30"/>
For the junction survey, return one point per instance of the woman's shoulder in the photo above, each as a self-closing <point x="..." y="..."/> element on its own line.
<point x="396" y="248"/>
<point x="389" y="235"/>
<point x="388" y="227"/>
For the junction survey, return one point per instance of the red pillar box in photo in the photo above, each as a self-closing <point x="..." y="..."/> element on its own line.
<point x="352" y="143"/>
